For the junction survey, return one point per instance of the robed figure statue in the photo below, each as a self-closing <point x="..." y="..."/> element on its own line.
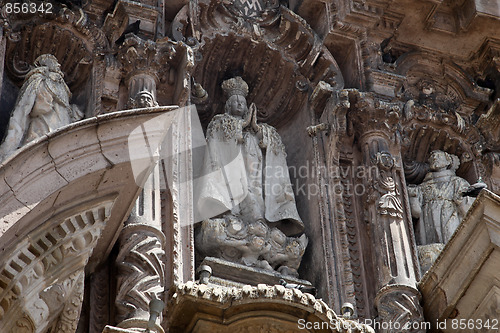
<point x="250" y="190"/>
<point x="41" y="107"/>
<point x="439" y="202"/>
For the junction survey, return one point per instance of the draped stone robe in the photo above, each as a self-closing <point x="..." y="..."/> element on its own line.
<point x="247" y="177"/>
<point x="42" y="107"/>
<point x="442" y="206"/>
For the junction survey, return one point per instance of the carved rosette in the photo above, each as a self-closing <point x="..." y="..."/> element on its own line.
<point x="141" y="271"/>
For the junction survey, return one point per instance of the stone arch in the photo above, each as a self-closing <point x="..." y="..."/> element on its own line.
<point x="292" y="59"/>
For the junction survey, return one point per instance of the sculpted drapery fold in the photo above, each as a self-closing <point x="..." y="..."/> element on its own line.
<point x="43" y="105"/>
<point x="245" y="200"/>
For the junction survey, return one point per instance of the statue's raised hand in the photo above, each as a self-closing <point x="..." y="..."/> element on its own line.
<point x="253" y="112"/>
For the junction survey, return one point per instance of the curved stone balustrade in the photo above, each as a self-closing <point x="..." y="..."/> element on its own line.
<point x="63" y="199"/>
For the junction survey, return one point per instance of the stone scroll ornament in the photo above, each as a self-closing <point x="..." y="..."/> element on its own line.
<point x="42" y="106"/>
<point x="257" y="214"/>
<point x="439" y="204"/>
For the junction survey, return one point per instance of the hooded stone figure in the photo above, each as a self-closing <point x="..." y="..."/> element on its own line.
<point x="41" y="107"/>
<point x="247" y="161"/>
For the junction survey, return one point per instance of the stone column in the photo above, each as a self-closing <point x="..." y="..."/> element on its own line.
<point x="140" y="261"/>
<point x="386" y="211"/>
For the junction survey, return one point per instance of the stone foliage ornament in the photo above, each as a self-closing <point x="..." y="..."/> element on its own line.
<point x="41" y="107"/>
<point x="258" y="214"/>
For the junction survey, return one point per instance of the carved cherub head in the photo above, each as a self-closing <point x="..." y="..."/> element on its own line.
<point x="236" y="90"/>
<point x="440" y="160"/>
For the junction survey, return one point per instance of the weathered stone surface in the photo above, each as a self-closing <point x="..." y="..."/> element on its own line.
<point x="246" y="182"/>
<point x="439" y="202"/>
<point x="347" y="84"/>
<point x="42" y="106"/>
<point x="452" y="293"/>
<point x="227" y="309"/>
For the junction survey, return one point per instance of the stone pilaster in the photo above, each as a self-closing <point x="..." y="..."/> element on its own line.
<point x="140" y="261"/>
<point x="386" y="211"/>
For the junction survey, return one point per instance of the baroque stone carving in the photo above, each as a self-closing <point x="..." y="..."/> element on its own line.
<point x="278" y="294"/>
<point x="47" y="270"/>
<point x="389" y="203"/>
<point x="144" y="99"/>
<point x="146" y="65"/>
<point x="141" y="274"/>
<point x="438" y="202"/>
<point x="399" y="310"/>
<point x="258" y="202"/>
<point x="41" y="107"/>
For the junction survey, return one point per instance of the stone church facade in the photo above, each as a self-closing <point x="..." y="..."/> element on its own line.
<point x="249" y="166"/>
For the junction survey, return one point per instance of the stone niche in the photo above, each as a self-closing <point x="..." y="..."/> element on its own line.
<point x="281" y="59"/>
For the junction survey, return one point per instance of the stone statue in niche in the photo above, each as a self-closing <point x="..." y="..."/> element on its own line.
<point x="41" y="107"/>
<point x="438" y="202"/>
<point x="439" y="205"/>
<point x="258" y="214"/>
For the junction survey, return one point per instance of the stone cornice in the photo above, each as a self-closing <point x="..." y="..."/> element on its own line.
<point x="264" y="295"/>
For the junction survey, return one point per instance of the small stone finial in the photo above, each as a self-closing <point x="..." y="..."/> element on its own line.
<point x="235" y="86"/>
<point x="347" y="310"/>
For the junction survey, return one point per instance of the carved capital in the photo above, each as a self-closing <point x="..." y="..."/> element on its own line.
<point x="139" y="56"/>
<point x="372" y="116"/>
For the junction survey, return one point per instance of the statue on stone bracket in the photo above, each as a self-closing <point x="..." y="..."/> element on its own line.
<point x="439" y="205"/>
<point x="41" y="107"/>
<point x="253" y="195"/>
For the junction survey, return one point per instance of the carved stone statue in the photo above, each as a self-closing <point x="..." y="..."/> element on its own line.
<point x="41" y="107"/>
<point x="438" y="202"/>
<point x="144" y="99"/>
<point x="254" y="193"/>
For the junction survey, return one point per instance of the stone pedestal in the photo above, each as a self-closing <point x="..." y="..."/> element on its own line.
<point x="225" y="273"/>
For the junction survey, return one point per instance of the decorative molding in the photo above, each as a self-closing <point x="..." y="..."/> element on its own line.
<point x="265" y="296"/>
<point x="399" y="310"/>
<point x="141" y="271"/>
<point x="31" y="291"/>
